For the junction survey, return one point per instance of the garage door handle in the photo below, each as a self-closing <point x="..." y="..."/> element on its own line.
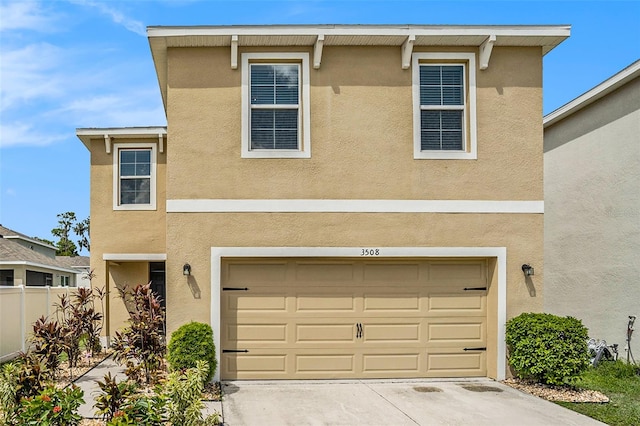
<point x="358" y="330"/>
<point x="234" y="351"/>
<point x="475" y="288"/>
<point x="235" y="289"/>
<point x="475" y="349"/>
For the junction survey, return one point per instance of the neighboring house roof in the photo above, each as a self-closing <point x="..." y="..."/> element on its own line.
<point x="13" y="253"/>
<point x="74" y="261"/>
<point x="623" y="77"/>
<point x="10" y="233"/>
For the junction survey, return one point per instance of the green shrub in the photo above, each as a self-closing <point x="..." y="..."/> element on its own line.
<point x="183" y="393"/>
<point x="52" y="407"/>
<point x="547" y="348"/>
<point x="191" y="343"/>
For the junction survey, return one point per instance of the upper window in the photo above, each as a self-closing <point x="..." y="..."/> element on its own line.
<point x="444" y="105"/>
<point x="275" y="101"/>
<point x="134" y="177"/>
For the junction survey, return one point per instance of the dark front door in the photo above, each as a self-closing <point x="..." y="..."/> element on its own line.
<point x="157" y="278"/>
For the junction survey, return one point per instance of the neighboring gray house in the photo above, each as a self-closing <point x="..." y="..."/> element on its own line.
<point x="592" y="207"/>
<point x="26" y="261"/>
<point x="80" y="264"/>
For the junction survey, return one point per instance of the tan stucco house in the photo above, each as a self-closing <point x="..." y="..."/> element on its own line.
<point x="336" y="201"/>
<point x="592" y="195"/>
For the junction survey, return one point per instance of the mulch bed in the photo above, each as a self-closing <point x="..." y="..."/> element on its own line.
<point x="556" y="393"/>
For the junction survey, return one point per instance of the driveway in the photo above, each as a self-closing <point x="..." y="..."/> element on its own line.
<point x="388" y="402"/>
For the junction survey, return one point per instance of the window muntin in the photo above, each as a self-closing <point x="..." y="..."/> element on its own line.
<point x="134" y="176"/>
<point x="444" y="106"/>
<point x="275" y="97"/>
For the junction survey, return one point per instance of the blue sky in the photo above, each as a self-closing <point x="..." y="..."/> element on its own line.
<point x="86" y="63"/>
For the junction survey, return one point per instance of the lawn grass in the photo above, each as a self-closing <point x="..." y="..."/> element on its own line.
<point x="621" y="383"/>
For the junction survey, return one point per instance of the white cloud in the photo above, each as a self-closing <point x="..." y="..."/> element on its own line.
<point x="23" y="134"/>
<point x="29" y="73"/>
<point x="116" y="16"/>
<point x="26" y="15"/>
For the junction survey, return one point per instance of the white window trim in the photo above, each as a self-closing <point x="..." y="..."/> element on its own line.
<point x="305" y="137"/>
<point x="116" y="176"/>
<point x="470" y="141"/>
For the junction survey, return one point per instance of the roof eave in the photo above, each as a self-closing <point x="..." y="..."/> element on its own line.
<point x="87" y="134"/>
<point x="601" y="90"/>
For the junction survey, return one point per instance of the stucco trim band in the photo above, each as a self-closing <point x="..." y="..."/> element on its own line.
<point x="353" y="206"/>
<point x="500" y="253"/>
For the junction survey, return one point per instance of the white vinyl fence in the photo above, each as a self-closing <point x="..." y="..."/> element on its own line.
<point x="20" y="307"/>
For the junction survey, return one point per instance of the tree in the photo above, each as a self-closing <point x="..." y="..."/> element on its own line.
<point x="66" y="222"/>
<point x="82" y="231"/>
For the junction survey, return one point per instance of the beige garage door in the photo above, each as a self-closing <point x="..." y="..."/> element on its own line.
<point x="311" y="319"/>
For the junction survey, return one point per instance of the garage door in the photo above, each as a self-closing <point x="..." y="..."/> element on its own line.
<point x="318" y="319"/>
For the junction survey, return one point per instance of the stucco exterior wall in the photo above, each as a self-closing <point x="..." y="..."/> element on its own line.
<point x="361" y="132"/>
<point x="122" y="231"/>
<point x="592" y="214"/>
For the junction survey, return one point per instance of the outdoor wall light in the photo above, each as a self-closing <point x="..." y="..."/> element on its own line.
<point x="527" y="269"/>
<point x="186" y="269"/>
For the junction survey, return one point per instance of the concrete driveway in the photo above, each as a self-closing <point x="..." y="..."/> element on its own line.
<point x="388" y="402"/>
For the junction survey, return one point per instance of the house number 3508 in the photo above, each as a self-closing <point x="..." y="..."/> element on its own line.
<point x="370" y="252"/>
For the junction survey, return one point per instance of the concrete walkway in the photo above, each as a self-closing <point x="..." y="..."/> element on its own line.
<point x="88" y="383"/>
<point x="389" y="402"/>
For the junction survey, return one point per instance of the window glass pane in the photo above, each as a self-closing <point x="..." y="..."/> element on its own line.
<point x="127" y="156"/>
<point x="274" y="84"/>
<point x="135" y="191"/>
<point x="274" y="129"/>
<point x="143" y="156"/>
<point x="452" y="96"/>
<point x="452" y="140"/>
<point x="143" y="169"/>
<point x="431" y="96"/>
<point x="262" y="95"/>
<point x="286" y="119"/>
<point x="127" y="169"/>
<point x="451" y="75"/>
<point x="430" y="75"/>
<point x="451" y="120"/>
<point x="441" y="130"/>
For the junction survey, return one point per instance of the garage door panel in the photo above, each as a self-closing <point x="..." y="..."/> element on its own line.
<point x="451" y="272"/>
<point x="391" y="301"/>
<point x="324" y="302"/>
<point x="248" y="333"/>
<point x="326" y="363"/>
<point x="392" y="363"/>
<point x="387" y="273"/>
<point x="447" y="334"/>
<point x="330" y="273"/>
<point x="235" y="364"/>
<point x="240" y="302"/>
<point x="442" y="363"/>
<point x="256" y="273"/>
<point x="326" y="333"/>
<point x="456" y="304"/>
<point x="391" y="333"/>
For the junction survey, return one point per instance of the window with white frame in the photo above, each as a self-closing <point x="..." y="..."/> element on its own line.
<point x="444" y="106"/>
<point x="134" y="176"/>
<point x="275" y="102"/>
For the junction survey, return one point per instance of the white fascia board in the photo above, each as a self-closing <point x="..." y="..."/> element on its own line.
<point x="134" y="257"/>
<point x="623" y="77"/>
<point x="361" y="30"/>
<point x="500" y="253"/>
<point x="352" y="206"/>
<point x="37" y="265"/>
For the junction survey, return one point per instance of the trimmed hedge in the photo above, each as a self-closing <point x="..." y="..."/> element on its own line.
<point x="190" y="343"/>
<point x="547" y="348"/>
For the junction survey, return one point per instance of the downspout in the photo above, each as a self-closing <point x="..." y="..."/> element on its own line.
<point x="107" y="313"/>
